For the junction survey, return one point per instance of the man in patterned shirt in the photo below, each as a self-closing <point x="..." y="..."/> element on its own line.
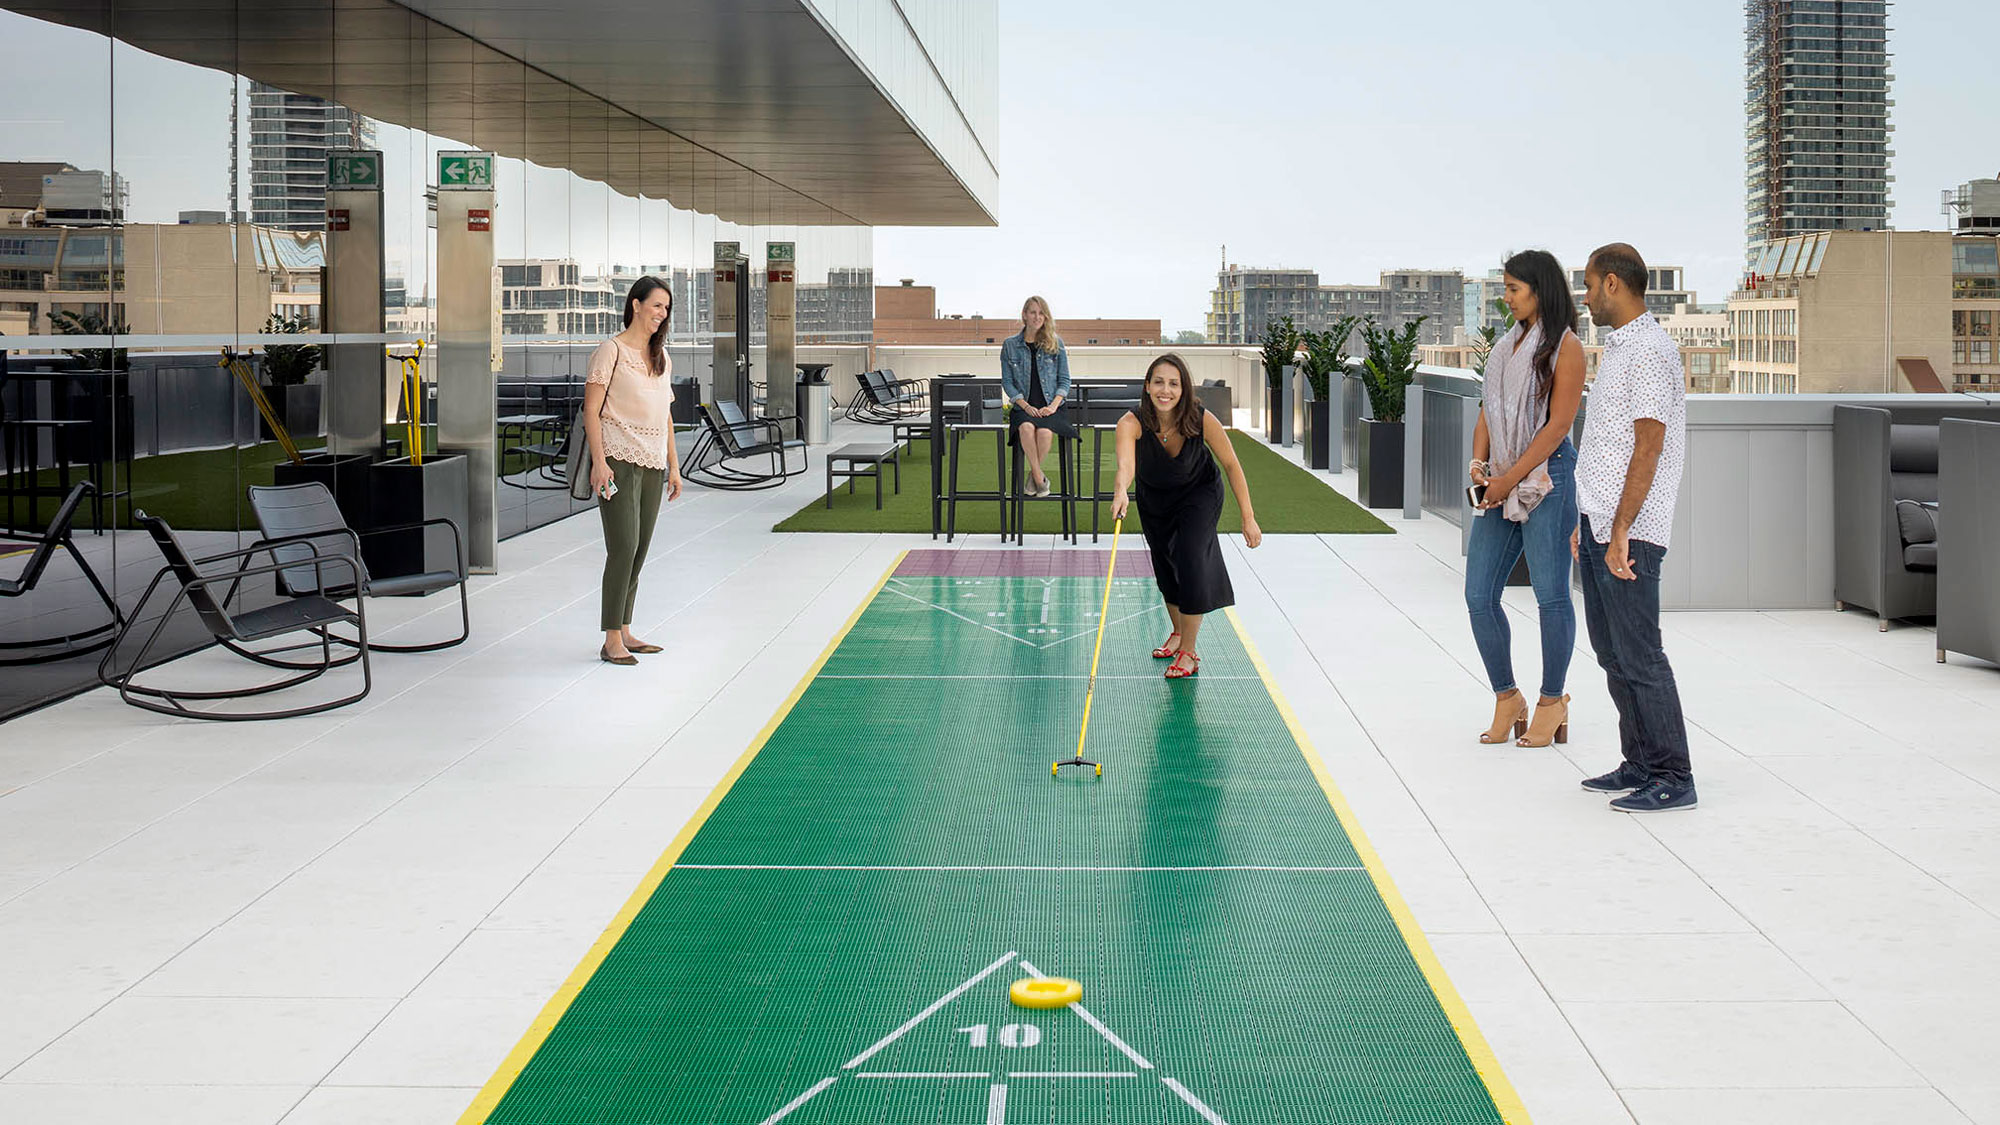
<point x="1627" y="474"/>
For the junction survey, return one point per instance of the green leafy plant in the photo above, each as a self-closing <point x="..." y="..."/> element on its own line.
<point x="68" y="323"/>
<point x="1281" y="345"/>
<point x="1326" y="354"/>
<point x="1488" y="335"/>
<point x="1390" y="366"/>
<point x="287" y="365"/>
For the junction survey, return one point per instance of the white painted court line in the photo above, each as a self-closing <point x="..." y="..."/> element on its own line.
<point x="1199" y="1107"/>
<point x="1094" y="1022"/>
<point x="1073" y="1074"/>
<point x="935" y="1005"/>
<point x="943" y="867"/>
<point x="955" y="613"/>
<point x="926" y="1074"/>
<point x="799" y="1101"/>
<point x="996" y="1104"/>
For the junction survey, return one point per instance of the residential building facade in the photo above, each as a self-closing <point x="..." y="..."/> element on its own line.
<point x="1868" y="312"/>
<point x="1246" y="299"/>
<point x="1817" y="124"/>
<point x="907" y="314"/>
<point x="290" y="135"/>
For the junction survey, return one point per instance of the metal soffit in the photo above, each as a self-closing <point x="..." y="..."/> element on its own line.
<point x="749" y="110"/>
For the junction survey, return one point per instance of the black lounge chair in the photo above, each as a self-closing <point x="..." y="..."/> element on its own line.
<point x="302" y="521"/>
<point x="727" y="436"/>
<point x="42" y="650"/>
<point x="883" y="399"/>
<point x="307" y="613"/>
<point x="545" y="464"/>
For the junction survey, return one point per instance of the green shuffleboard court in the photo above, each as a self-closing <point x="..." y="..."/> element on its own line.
<point x="832" y="937"/>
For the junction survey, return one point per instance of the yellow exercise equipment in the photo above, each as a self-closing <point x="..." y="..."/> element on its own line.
<point x="1104" y="611"/>
<point x="238" y="364"/>
<point x="413" y="402"/>
<point x="1044" y="992"/>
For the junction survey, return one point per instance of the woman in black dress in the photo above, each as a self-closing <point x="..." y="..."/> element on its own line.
<point x="1180" y="453"/>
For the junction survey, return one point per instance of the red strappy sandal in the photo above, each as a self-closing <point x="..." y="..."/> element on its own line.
<point x="1168" y="650"/>
<point x="1174" y="671"/>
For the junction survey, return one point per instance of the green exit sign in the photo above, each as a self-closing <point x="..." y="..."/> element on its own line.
<point x="354" y="171"/>
<point x="779" y="251"/>
<point x="465" y="170"/>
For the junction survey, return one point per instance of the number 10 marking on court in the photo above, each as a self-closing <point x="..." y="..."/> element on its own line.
<point x="1011" y="1035"/>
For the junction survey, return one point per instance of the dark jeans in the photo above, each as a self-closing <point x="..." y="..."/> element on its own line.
<point x="1497" y="543"/>
<point x="1623" y="617"/>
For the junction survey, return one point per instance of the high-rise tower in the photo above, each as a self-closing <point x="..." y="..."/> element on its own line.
<point x="1817" y="108"/>
<point x="290" y="135"/>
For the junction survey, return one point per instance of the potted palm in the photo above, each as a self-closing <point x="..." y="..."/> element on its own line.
<point x="1280" y="347"/>
<point x="1387" y="370"/>
<point x="1325" y="358"/>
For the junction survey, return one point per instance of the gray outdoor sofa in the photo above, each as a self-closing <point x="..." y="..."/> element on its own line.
<point x="1968" y="542"/>
<point x="1887" y="510"/>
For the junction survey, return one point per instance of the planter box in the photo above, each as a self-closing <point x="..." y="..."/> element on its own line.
<point x="344" y="474"/>
<point x="298" y="407"/>
<point x="1319" y="434"/>
<point x="1380" y="463"/>
<point x="402" y="493"/>
<point x="1273" y="406"/>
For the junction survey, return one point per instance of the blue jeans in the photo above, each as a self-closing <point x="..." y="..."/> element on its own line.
<point x="1623" y="616"/>
<point x="1497" y="542"/>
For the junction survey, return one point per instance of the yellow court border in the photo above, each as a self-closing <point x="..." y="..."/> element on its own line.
<point x="488" y="1098"/>
<point x="1506" y="1100"/>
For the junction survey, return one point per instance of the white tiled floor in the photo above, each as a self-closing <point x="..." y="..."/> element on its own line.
<point x="352" y="917"/>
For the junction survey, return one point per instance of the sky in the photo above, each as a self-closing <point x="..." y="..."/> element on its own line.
<point x="1136" y="140"/>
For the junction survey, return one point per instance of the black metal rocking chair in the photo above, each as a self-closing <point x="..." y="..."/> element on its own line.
<point x="309" y="613"/>
<point x="302" y="521"/>
<point x="42" y="650"/>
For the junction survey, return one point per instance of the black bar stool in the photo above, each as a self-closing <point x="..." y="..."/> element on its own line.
<point x="1098" y="493"/>
<point x="1063" y="496"/>
<point x="955" y="433"/>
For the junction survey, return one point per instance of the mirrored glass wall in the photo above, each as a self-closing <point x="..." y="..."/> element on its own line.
<point x="164" y="257"/>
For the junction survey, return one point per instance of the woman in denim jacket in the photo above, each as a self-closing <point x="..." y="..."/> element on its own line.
<point x="1034" y="375"/>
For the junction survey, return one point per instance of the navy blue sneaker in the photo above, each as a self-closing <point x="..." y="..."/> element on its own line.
<point x="1624" y="779"/>
<point x="1657" y="796"/>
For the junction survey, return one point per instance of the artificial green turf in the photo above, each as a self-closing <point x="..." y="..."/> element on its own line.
<point x="200" y="490"/>
<point x="1288" y="499"/>
<point x="901" y="832"/>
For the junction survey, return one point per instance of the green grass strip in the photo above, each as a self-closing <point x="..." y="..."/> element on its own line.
<point x="1289" y="499"/>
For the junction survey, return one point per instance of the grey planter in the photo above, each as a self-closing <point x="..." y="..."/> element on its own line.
<point x="1380" y="464"/>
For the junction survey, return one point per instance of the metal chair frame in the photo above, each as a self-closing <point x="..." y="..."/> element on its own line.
<point x="59" y="536"/>
<point x="311" y="613"/>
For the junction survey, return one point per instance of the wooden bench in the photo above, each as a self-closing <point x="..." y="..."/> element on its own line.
<point x="863" y="459"/>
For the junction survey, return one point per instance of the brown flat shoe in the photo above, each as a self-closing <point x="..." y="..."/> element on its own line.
<point x="628" y="659"/>
<point x="644" y="650"/>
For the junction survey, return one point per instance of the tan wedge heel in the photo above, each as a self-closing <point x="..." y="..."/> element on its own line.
<point x="1511" y="711"/>
<point x="1551" y="724"/>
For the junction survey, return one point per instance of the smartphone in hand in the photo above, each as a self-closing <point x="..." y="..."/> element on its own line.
<point x="1475" y="495"/>
<point x="610" y="489"/>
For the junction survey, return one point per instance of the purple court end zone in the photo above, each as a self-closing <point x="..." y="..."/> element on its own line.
<point x="1025" y="564"/>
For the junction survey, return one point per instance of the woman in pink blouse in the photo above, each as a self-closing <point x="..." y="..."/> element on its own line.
<point x="633" y="460"/>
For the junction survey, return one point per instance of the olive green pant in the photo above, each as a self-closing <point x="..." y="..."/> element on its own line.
<point x="628" y="533"/>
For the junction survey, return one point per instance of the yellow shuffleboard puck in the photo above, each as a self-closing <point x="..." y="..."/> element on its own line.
<point x="1044" y="992"/>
